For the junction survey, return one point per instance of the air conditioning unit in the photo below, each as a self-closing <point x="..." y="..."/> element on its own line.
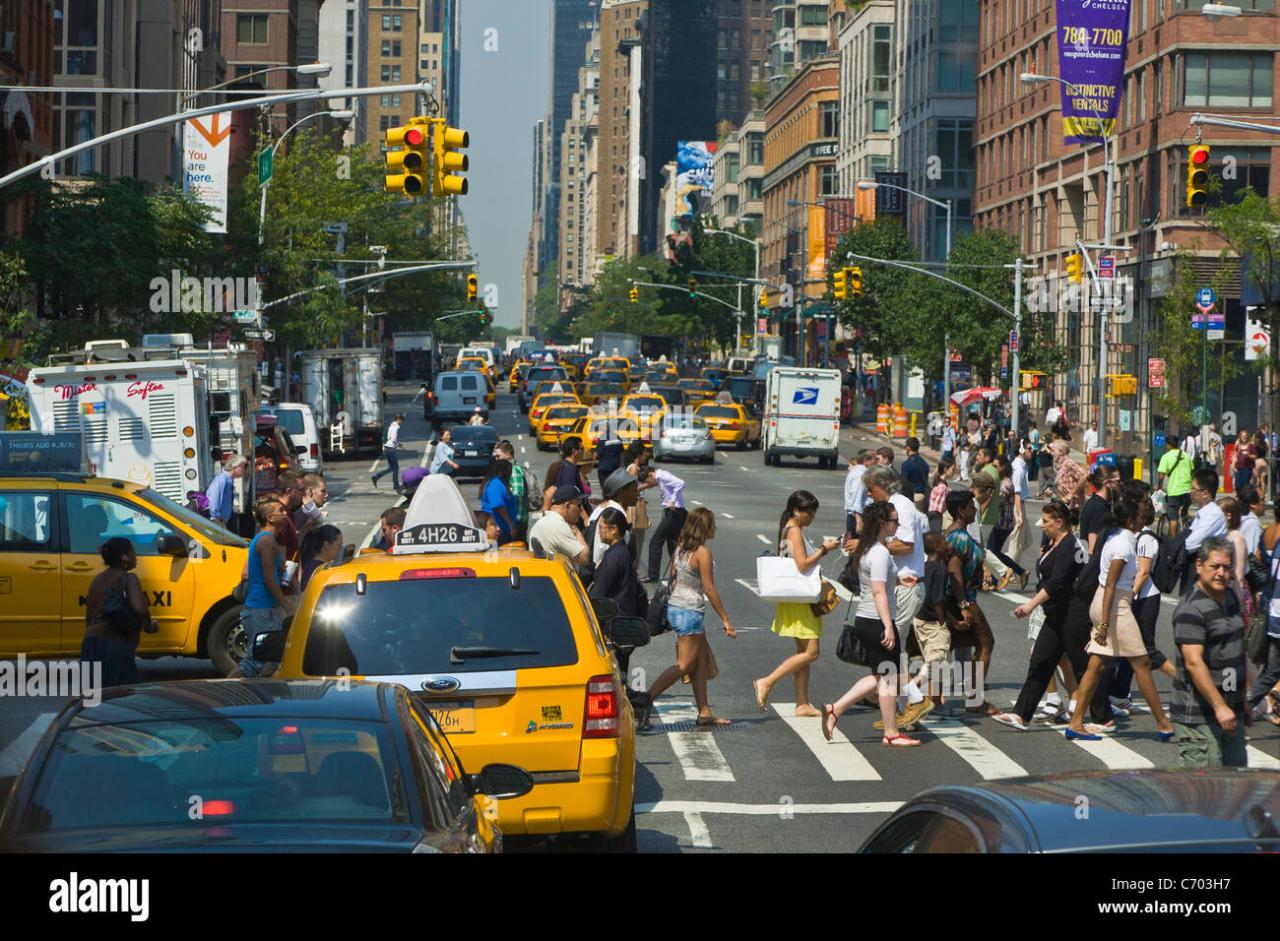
<point x="10" y="42"/>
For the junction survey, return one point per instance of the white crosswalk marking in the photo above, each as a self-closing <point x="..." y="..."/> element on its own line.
<point x="727" y="516"/>
<point x="763" y="538"/>
<point x="1114" y="755"/>
<point x="1260" y="759"/>
<point x="750" y="585"/>
<point x="779" y="810"/>
<point x="699" y="834"/>
<point x="981" y="755"/>
<point x="839" y="757"/>
<point x="699" y="756"/>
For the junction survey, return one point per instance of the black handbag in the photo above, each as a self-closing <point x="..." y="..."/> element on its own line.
<point x="656" y="616"/>
<point x="850" y="647"/>
<point x="119" y="614"/>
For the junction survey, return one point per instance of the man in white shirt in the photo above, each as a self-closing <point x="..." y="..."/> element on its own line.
<point x="1090" y="437"/>
<point x="557" y="531"/>
<point x="1250" y="526"/>
<point x="855" y="494"/>
<point x="1190" y="446"/>
<point x="389" y="449"/>
<point x="948" y="442"/>
<point x="906" y="546"/>
<point x="1209" y="521"/>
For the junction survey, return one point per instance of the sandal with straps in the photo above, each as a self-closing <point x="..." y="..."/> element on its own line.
<point x="899" y="741"/>
<point x="829" y="710"/>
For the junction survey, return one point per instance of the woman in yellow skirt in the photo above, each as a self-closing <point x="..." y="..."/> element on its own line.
<point x="795" y="619"/>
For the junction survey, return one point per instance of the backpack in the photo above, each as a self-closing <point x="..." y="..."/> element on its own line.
<point x="1170" y="562"/>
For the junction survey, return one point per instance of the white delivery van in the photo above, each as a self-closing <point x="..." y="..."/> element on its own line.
<point x="348" y="381"/>
<point x="143" y="420"/>
<point x="483" y="352"/>
<point x="297" y="419"/>
<point x="802" y="415"/>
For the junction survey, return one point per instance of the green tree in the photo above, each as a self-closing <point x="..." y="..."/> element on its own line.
<point x="885" y="311"/>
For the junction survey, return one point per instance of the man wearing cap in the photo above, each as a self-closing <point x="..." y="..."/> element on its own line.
<point x="620" y="490"/>
<point x="557" y="531"/>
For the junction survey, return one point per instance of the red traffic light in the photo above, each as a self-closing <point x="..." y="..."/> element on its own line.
<point x="1199" y="155"/>
<point x="414" y="137"/>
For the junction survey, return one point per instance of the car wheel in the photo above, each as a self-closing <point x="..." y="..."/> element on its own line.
<point x="709" y="459"/>
<point x="742" y="445"/>
<point x="625" y="842"/>
<point x="226" y="642"/>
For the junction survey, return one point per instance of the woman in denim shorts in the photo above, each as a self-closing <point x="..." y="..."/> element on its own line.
<point x="693" y="578"/>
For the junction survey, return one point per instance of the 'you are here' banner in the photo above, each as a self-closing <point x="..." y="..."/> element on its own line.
<point x="1092" y="35"/>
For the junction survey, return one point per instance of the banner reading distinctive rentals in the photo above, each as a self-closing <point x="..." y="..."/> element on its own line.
<point x="1092" y="35"/>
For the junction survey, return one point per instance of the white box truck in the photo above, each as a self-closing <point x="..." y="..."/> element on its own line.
<point x="802" y="415"/>
<point x="350" y="381"/>
<point x="413" y="354"/>
<point x="144" y="419"/>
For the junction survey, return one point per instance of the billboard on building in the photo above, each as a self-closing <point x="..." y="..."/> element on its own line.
<point x="891" y="197"/>
<point x="841" y="217"/>
<point x="206" y="149"/>
<point x="694" y="179"/>
<point x="1092" y="35"/>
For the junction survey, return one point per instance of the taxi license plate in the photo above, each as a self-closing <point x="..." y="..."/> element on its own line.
<point x="456" y="718"/>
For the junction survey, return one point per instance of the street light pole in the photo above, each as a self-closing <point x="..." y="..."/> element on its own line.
<point x="262" y="208"/>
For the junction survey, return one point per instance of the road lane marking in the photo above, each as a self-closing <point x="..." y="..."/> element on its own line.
<point x="700" y="503"/>
<point x="763" y="538"/>
<point x="699" y="835"/>
<point x="699" y="755"/>
<point x="727" y="516"/>
<point x="750" y="585"/>
<point x="16" y="753"/>
<point x="980" y="754"/>
<point x="1115" y="756"/>
<point x="747" y="469"/>
<point x="765" y="810"/>
<point x="1260" y="759"/>
<point x="839" y="757"/>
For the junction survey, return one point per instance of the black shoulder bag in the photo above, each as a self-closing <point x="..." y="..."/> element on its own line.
<point x="118" y="613"/>
<point x="850" y="648"/>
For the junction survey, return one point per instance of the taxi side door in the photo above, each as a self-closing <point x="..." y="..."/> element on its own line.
<point x="169" y="583"/>
<point x="30" y="573"/>
<point x="753" y="424"/>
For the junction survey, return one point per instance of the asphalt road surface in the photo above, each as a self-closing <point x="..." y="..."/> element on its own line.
<point x="768" y="782"/>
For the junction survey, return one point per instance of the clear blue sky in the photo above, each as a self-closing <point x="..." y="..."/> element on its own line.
<point x="504" y="92"/>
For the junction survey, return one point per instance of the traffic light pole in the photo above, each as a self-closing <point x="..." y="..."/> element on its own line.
<point x="389" y="273"/>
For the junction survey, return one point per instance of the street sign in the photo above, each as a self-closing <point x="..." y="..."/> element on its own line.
<point x="762" y="325"/>
<point x="1199" y="415"/>
<point x="1107" y="267"/>
<point x="253" y="333"/>
<point x="1155" y="373"/>
<point x="245" y="316"/>
<point x="1257" y="339"/>
<point x="961" y="372"/>
<point x="1206" y="299"/>
<point x="1216" y="334"/>
<point x="957" y="357"/>
<point x="1158" y="440"/>
<point x="1013" y="341"/>
<point x="265" y="161"/>
<point x="335" y="228"/>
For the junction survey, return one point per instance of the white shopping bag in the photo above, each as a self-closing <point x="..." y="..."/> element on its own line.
<point x="778" y="579"/>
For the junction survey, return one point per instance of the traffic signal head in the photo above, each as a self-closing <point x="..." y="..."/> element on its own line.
<point x="693" y="288"/>
<point x="1075" y="267"/>
<point x="473" y="284"/>
<point x="1197" y="175"/>
<point x="407" y="160"/>
<point x="841" y="279"/>
<point x="449" y="163"/>
<point x="635" y="295"/>
<point x="764" y="299"/>
<point x="855" y="282"/>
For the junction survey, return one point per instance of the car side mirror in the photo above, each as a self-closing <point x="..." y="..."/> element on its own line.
<point x="502" y="782"/>
<point x="300" y="449"/>
<point x="628" y="632"/>
<point x="606" y="609"/>
<point x="172" y="545"/>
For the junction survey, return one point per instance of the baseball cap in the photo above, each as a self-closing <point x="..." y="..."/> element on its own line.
<point x="566" y="495"/>
<point x="617" y="482"/>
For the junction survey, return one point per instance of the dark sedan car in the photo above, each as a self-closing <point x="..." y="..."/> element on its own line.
<point x="252" y="766"/>
<point x="473" y="449"/>
<point x="1150" y="811"/>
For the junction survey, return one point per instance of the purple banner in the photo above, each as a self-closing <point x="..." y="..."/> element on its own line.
<point x="1092" y="35"/>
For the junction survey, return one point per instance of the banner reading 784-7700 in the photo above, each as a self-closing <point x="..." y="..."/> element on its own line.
<point x="1092" y="35"/>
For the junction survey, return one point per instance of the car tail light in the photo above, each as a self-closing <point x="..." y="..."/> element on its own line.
<point x="218" y="808"/>
<point x="315" y="450"/>
<point x="414" y="574"/>
<point x="603" y="713"/>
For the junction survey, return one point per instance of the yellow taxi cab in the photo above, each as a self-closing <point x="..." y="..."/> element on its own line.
<point x="596" y="393"/>
<point x="644" y="409"/>
<point x="51" y="525"/>
<point x="698" y="390"/>
<point x="542" y="690"/>
<point x="478" y="363"/>
<point x="666" y="367"/>
<point x="607" y="362"/>
<point x="556" y="422"/>
<point x="513" y="380"/>
<point x="557" y="395"/>
<point x="731" y="424"/>
<point x="491" y="393"/>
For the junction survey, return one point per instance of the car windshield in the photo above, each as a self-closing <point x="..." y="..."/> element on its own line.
<point x="290" y="419"/>
<point x="696" y="385"/>
<point x="672" y="396"/>
<point x="475" y="434"/>
<point x="648" y="402"/>
<point x="718" y="411"/>
<point x="546" y="401"/>
<point x="413" y="626"/>
<point x="237" y="770"/>
<point x="566" y="412"/>
<point x="548" y="372"/>
<point x="191" y="519"/>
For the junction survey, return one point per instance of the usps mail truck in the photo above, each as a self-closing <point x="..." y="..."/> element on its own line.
<point x="802" y="415"/>
<point x="143" y="420"/>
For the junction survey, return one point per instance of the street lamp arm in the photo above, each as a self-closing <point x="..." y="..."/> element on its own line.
<point x="674" y="287"/>
<point x="933" y="274"/>
<point x="941" y="204"/>
<point x="375" y="274"/>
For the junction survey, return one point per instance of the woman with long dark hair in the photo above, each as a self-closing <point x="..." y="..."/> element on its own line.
<point x="322" y="546"/>
<point x="1006" y="522"/>
<point x="616" y="574"/>
<point x="795" y="619"/>
<point x="113" y="629"/>
<point x="497" y="499"/>
<point x="692" y="588"/>
<point x="874" y="625"/>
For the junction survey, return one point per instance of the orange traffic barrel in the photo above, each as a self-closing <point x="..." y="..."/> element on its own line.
<point x="954" y="411"/>
<point x="899" y="421"/>
<point x="882" y="419"/>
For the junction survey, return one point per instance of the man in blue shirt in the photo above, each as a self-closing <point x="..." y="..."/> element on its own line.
<point x="915" y="471"/>
<point x="221" y="493"/>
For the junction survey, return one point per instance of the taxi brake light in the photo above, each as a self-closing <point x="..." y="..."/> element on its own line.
<point x="734" y="426"/>
<point x="603" y="712"/>
<point x="218" y="808"/>
<point x="413" y="574"/>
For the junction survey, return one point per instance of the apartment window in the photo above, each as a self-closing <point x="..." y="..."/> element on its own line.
<point x="1142" y="95"/>
<point x="245" y="69"/>
<point x="75" y="120"/>
<point x="391" y="73"/>
<point x="397" y="23"/>
<point x="881" y="57"/>
<point x="722" y="71"/>
<point x="731" y="168"/>
<point x="1157" y="105"/>
<point x="731" y="205"/>
<point x="755" y="189"/>
<point x="76" y="36"/>
<point x="813" y="16"/>
<point x="1227" y="80"/>
<point x="755" y="149"/>
<point x="386" y="22"/>
<point x="391" y="48"/>
<point x="390" y="101"/>
<point x="830" y="116"/>
<point x="958" y="20"/>
<point x="830" y="183"/>
<point x="251" y="28"/>
<point x="956" y="70"/>
<point x="879" y="117"/>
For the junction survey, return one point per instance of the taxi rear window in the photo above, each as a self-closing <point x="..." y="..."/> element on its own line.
<point x="718" y="411"/>
<point x="413" y="626"/>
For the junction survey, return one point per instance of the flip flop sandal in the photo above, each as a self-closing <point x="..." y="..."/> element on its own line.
<point x="706" y="721"/>
<point x="899" y="741"/>
<point x="761" y="701"/>
<point x="829" y="710"/>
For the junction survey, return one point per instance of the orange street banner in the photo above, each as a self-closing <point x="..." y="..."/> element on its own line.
<point x="817" y="244"/>
<point x="206" y="150"/>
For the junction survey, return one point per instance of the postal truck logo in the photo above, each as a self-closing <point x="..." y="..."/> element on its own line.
<point x="805" y="395"/>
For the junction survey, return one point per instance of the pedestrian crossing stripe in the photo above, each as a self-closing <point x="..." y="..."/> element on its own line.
<point x="699" y="756"/>
<point x="838" y="757"/>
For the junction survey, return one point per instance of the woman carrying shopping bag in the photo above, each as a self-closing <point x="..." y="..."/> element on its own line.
<point x="796" y="619"/>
